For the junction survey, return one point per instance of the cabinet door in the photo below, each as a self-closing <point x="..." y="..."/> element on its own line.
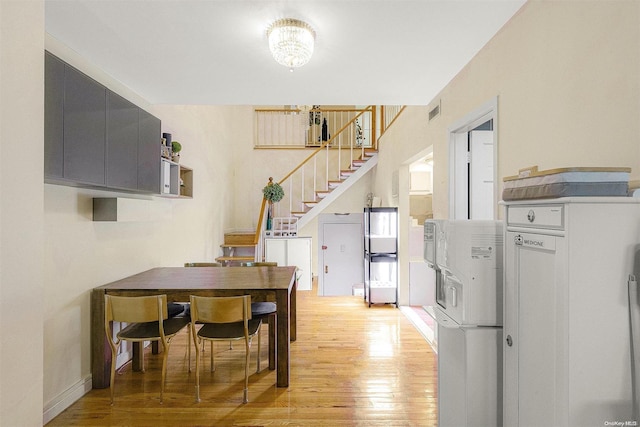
<point x="122" y="143"/>
<point x="149" y="153"/>
<point x="53" y="116"/>
<point x="275" y="250"/>
<point x="84" y="128"/>
<point x="532" y="330"/>
<point x="299" y="254"/>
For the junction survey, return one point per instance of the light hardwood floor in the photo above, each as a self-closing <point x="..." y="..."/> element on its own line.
<point x="351" y="365"/>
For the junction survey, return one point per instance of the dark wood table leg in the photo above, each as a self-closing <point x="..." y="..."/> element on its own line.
<point x="137" y="358"/>
<point x="283" y="322"/>
<point x="100" y="350"/>
<point x="273" y="322"/>
<point x="293" y="328"/>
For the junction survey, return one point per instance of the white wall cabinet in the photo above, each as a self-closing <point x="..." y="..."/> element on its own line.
<point x="294" y="252"/>
<point x="567" y="359"/>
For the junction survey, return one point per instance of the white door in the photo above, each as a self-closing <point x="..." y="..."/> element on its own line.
<point x="473" y="182"/>
<point x="341" y="258"/>
<point x="473" y="147"/>
<point x="460" y="169"/>
<point x="481" y="200"/>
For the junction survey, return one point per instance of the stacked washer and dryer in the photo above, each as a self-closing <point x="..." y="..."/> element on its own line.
<point x="467" y="257"/>
<point x="559" y="343"/>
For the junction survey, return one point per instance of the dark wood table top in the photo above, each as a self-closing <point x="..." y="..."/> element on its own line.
<point x="276" y="284"/>
<point x="203" y="278"/>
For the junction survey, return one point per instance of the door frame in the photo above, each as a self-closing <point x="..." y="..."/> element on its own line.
<point x="487" y="111"/>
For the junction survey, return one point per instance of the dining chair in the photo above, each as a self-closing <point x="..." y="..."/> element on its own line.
<point x="259" y="264"/>
<point x="223" y="319"/>
<point x="187" y="308"/>
<point x="148" y="320"/>
<point x="265" y="310"/>
<point x="202" y="264"/>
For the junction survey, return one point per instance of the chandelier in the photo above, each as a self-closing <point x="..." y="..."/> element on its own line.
<point x="291" y="42"/>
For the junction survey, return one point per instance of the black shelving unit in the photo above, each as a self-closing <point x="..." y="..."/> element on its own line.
<point x="381" y="255"/>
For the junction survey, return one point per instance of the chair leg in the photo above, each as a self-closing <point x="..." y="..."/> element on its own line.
<point x="196" y="344"/>
<point x="165" y="356"/>
<point x="113" y="374"/>
<point x="258" y="361"/>
<point x="212" y="363"/>
<point x="245" y="398"/>
<point x="189" y="346"/>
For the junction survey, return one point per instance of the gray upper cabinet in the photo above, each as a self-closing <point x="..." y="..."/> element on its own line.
<point x="85" y="124"/>
<point x="53" y="116"/>
<point x="149" y="152"/>
<point x="122" y="143"/>
<point x="96" y="138"/>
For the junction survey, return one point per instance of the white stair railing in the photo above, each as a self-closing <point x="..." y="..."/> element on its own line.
<point x="336" y="154"/>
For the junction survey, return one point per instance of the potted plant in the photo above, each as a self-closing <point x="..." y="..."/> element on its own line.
<point x="176" y="147"/>
<point x="272" y="193"/>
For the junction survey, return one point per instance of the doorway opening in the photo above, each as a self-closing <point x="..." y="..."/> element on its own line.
<point x="473" y="153"/>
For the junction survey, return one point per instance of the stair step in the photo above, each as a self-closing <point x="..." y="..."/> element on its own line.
<point x="322" y="194"/>
<point x="234" y="259"/>
<point x="236" y="239"/>
<point x="357" y="163"/>
<point x="297" y="214"/>
<point x="310" y="203"/>
<point x="334" y="184"/>
<point x="226" y="245"/>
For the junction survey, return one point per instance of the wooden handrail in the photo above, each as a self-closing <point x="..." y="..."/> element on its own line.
<point x="256" y="238"/>
<point x="391" y="122"/>
<point x="374" y="140"/>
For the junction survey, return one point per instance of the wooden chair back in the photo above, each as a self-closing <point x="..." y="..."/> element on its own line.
<point x="202" y="264"/>
<point x="259" y="264"/>
<point x="135" y="309"/>
<point x="220" y="309"/>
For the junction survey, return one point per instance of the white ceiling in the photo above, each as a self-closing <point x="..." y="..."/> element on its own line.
<point x="392" y="52"/>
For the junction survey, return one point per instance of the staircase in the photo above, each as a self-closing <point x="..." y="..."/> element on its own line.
<point x="334" y="166"/>
<point x="336" y="188"/>
<point x="237" y="248"/>
<point x="245" y="247"/>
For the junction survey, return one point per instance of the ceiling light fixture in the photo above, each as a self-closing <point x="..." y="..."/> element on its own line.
<point x="291" y="42"/>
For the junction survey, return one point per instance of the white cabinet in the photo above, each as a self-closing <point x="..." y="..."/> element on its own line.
<point x="567" y="356"/>
<point x="294" y="251"/>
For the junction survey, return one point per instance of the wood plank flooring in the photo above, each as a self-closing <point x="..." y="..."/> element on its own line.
<point x="351" y="365"/>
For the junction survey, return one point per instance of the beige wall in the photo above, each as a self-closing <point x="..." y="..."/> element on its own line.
<point x="21" y="229"/>
<point x="81" y="254"/>
<point x="567" y="78"/>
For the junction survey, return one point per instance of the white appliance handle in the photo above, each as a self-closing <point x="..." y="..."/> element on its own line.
<point x="454" y="296"/>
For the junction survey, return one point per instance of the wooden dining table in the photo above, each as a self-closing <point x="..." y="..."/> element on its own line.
<point x="276" y="284"/>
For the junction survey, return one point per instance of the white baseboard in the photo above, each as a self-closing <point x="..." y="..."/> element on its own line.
<point x="420" y="326"/>
<point x="66" y="399"/>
